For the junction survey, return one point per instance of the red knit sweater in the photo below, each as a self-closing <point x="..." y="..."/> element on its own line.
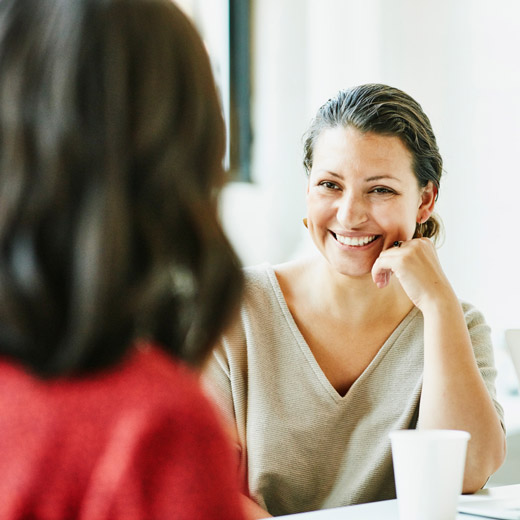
<point x="137" y="442"/>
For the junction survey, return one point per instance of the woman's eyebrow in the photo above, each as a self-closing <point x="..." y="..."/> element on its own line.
<point x="328" y="172"/>
<point x="381" y="177"/>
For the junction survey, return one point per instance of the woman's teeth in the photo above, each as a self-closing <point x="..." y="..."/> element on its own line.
<point x="355" y="241"/>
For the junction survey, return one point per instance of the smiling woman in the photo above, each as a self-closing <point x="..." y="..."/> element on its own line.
<point x="364" y="338"/>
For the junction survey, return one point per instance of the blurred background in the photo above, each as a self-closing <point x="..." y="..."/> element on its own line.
<point x="278" y="61"/>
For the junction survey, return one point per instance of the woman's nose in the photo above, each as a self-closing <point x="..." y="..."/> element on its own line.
<point x="352" y="210"/>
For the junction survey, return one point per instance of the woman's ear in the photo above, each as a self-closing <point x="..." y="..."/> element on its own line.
<point x="427" y="202"/>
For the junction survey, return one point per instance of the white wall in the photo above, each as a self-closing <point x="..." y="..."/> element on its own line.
<point x="459" y="59"/>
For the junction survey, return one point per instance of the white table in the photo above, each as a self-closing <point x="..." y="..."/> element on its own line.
<point x="387" y="509"/>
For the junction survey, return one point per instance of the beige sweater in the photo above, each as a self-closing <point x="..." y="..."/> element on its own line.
<point x="302" y="446"/>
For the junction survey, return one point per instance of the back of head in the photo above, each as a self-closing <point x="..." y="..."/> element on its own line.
<point x="111" y="147"/>
<point x="384" y="110"/>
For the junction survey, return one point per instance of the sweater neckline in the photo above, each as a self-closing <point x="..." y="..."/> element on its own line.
<point x="308" y="354"/>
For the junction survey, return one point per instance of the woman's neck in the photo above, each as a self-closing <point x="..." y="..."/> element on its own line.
<point x="340" y="295"/>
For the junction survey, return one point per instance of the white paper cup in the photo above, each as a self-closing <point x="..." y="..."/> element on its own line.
<point x="428" y="470"/>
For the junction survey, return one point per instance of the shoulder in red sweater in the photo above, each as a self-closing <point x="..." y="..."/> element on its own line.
<point x="136" y="442"/>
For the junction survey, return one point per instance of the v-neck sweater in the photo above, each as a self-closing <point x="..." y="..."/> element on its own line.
<point x="302" y="445"/>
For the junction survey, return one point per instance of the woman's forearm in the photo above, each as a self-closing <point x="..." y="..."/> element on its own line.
<point x="454" y="394"/>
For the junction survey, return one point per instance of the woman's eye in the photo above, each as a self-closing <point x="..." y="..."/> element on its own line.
<point x="329" y="185"/>
<point x="384" y="191"/>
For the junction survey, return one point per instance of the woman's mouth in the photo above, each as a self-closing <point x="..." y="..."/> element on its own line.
<point x="355" y="241"/>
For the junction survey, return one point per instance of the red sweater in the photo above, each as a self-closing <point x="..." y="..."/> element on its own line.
<point x="137" y="442"/>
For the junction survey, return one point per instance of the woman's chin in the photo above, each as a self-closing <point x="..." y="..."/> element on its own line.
<point x="357" y="271"/>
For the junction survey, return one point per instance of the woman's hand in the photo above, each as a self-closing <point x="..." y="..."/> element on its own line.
<point x="416" y="265"/>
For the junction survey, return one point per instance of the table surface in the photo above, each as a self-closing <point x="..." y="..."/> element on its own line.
<point x="388" y="508"/>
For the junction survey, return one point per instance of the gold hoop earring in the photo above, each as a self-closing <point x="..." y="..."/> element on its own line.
<point x="305" y="222"/>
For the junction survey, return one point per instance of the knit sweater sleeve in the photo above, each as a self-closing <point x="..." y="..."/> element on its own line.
<point x="480" y="334"/>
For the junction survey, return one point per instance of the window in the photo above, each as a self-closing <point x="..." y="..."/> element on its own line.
<point x="225" y="28"/>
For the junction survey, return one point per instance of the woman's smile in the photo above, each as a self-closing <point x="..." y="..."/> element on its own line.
<point x="355" y="241"/>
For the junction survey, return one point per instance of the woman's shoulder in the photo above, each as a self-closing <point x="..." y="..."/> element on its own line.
<point x="295" y="269"/>
<point x="152" y="367"/>
<point x="274" y="282"/>
<point x="290" y="268"/>
<point x="147" y="370"/>
<point x="258" y="274"/>
<point x="261" y="289"/>
<point x="172" y="390"/>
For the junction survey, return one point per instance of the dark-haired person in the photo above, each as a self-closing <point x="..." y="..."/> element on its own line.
<point x="115" y="275"/>
<point x="333" y="352"/>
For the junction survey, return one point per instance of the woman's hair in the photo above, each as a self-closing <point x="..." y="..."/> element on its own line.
<point x="111" y="148"/>
<point x="387" y="111"/>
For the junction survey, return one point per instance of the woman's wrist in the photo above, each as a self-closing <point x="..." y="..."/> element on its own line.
<point x="441" y="300"/>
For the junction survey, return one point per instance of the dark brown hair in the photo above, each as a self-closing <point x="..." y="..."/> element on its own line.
<point x="111" y="147"/>
<point x="389" y="111"/>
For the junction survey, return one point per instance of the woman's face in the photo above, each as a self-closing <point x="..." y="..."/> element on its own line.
<point x="362" y="196"/>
